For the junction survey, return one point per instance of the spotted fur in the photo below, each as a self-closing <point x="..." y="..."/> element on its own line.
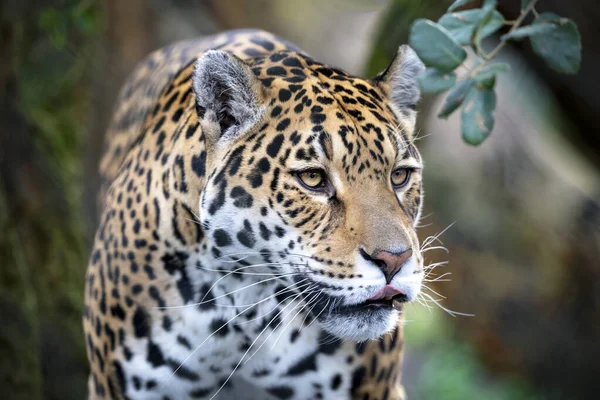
<point x="214" y="269"/>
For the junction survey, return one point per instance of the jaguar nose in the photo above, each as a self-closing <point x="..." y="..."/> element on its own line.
<point x="389" y="262"/>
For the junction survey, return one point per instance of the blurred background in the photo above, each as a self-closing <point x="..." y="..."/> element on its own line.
<point x="524" y="244"/>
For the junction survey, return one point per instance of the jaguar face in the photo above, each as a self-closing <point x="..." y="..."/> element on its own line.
<point x="314" y="183"/>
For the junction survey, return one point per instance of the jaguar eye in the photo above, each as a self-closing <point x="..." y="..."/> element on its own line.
<point x="313" y="178"/>
<point x="400" y="177"/>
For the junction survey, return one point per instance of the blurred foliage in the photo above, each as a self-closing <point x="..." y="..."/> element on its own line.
<point x="50" y="68"/>
<point x="52" y="71"/>
<point x="393" y="29"/>
<point x="449" y="368"/>
<point x="42" y="245"/>
<point x="440" y="46"/>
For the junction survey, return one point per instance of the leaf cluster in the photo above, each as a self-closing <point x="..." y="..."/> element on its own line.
<point x="441" y="46"/>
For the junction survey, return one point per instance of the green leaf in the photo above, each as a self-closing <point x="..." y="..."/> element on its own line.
<point x="55" y="25"/>
<point x="527" y="31"/>
<point x="435" y="81"/>
<point x="458" y="4"/>
<point x="435" y="46"/>
<point x="487" y="11"/>
<point x="494" y="22"/>
<point x="461" y="25"/>
<point x="455" y="98"/>
<point x="477" y="116"/>
<point x="491" y="71"/>
<point x="487" y="83"/>
<point x="560" y="47"/>
<point x="86" y="19"/>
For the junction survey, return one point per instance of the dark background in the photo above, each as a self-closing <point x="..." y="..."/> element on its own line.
<point x="524" y="248"/>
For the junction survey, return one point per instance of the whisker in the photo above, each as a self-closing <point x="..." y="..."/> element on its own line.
<point x="220" y="296"/>
<point x="429" y="269"/>
<point x="223" y="277"/>
<point x="192" y="220"/>
<point x="421" y="302"/>
<point x="318" y="315"/>
<point x="246" y="352"/>
<point x="431" y="239"/>
<point x="308" y="290"/>
<point x="239" y="269"/>
<point x="436" y="293"/>
<point x="236" y="271"/>
<point x="435" y="248"/>
<point x="418" y="226"/>
<point x="437" y="264"/>
<point x="450" y="312"/>
<point x="250" y="253"/>
<point x="290" y="321"/>
<point x="288" y="289"/>
<point x="276" y="305"/>
<point x="276" y="326"/>
<point x="213" y="333"/>
<point x="309" y="312"/>
<point x="439" y="278"/>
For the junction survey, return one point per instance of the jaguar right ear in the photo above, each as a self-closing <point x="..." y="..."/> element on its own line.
<point x="229" y="97"/>
<point x="399" y="82"/>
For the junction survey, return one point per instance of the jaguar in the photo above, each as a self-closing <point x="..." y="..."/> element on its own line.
<point x="257" y="237"/>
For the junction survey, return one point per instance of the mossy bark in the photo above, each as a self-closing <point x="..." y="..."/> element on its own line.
<point x="42" y="248"/>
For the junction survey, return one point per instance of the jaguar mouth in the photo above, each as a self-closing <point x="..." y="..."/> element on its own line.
<point x="395" y="302"/>
<point x="388" y="296"/>
<point x="363" y="320"/>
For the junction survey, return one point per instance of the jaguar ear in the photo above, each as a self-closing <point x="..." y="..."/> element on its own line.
<point x="399" y="82"/>
<point x="229" y="97"/>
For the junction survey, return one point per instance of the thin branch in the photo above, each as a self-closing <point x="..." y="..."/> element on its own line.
<point x="516" y="25"/>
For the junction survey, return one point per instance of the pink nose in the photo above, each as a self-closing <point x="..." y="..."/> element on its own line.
<point x="392" y="262"/>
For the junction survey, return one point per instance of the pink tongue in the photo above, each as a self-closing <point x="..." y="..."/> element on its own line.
<point x="387" y="291"/>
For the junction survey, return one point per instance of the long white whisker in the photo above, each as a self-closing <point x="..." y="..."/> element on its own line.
<point x="287" y="289"/>
<point x="294" y="317"/>
<point x="244" y="355"/>
<point x="250" y="253"/>
<point x="226" y="275"/>
<point x="312" y="304"/>
<point x="318" y="315"/>
<point x="213" y="333"/>
<point x="433" y="265"/>
<point x="310" y="310"/>
<point x="290" y="289"/>
<point x="221" y="296"/>
<point x="433" y="291"/>
<point x="439" y="278"/>
<point x="280" y="322"/>
<point x="452" y="313"/>
<point x="435" y="248"/>
<point x="237" y="272"/>
<point x="423" y="303"/>
<point x="435" y="237"/>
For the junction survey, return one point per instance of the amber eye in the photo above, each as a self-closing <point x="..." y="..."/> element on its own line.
<point x="400" y="177"/>
<point x="312" y="178"/>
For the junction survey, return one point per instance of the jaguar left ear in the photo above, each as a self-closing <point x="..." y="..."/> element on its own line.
<point x="399" y="82"/>
<point x="229" y="97"/>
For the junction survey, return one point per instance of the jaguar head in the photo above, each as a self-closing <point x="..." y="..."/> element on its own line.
<point x="314" y="183"/>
